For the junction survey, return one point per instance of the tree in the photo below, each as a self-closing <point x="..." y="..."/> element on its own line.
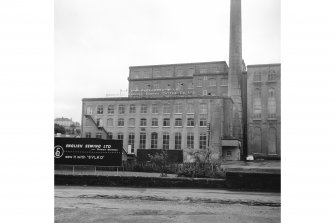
<point x="160" y="159"/>
<point x="59" y="129"/>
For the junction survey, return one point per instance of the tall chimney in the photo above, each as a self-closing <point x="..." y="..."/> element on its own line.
<point x="235" y="60"/>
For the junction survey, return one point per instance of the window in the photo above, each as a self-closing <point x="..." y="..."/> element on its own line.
<point x="120" y="122"/>
<point x="177" y="140"/>
<point x="190" y="121"/>
<point x="88" y="122"/>
<point x="110" y="109"/>
<point x="203" y="108"/>
<point x="178" y="108"/>
<point x="98" y="135"/>
<point x="109" y="135"/>
<point x="143" y="138"/>
<point x="166" y="122"/>
<point x="154" y="138"/>
<point x="131" y="141"/>
<point x="131" y="122"/>
<point x="143" y="122"/>
<point x="87" y="135"/>
<point x="257" y="106"/>
<point x="110" y="122"/>
<point x="271" y="104"/>
<point x="257" y="77"/>
<point x="203" y="122"/>
<point x="224" y="82"/>
<point x="178" y="122"/>
<point x="190" y="108"/>
<point x="121" y="109"/>
<point x="228" y="153"/>
<point x="89" y="110"/>
<point x="100" y="109"/>
<point x="132" y="109"/>
<point x="204" y="92"/>
<point x="190" y="140"/>
<point x="154" y="122"/>
<point x="166" y="138"/>
<point x="272" y="76"/>
<point x="144" y="109"/>
<point x="271" y="93"/>
<point x="154" y="109"/>
<point x="199" y="82"/>
<point x="166" y="109"/>
<point x="212" y="82"/>
<point x="120" y="137"/>
<point x="99" y="122"/>
<point x="202" y="141"/>
<point x="156" y="85"/>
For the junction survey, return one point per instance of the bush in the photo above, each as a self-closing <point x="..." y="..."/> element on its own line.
<point x="201" y="170"/>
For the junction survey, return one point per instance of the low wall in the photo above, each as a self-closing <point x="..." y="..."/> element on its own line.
<point x="264" y="181"/>
<point x="135" y="181"/>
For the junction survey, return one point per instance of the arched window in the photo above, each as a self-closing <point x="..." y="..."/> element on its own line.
<point x="257" y="104"/>
<point x="257" y="139"/>
<point x="272" y="146"/>
<point x="272" y="103"/>
<point x="202" y="141"/>
<point x="110" y="122"/>
<point x="154" y="139"/>
<point x="131" y="122"/>
<point x="120" y="122"/>
<point x="143" y="122"/>
<point x="166" y="139"/>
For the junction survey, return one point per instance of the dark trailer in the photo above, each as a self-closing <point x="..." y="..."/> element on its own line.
<point x="88" y="151"/>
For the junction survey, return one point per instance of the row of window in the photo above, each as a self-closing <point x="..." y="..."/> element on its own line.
<point x="271" y="92"/>
<point x="180" y="86"/>
<point x="167" y="109"/>
<point x="154" y="139"/>
<point x="271" y="77"/>
<point x="178" y="122"/>
<point x="212" y="82"/>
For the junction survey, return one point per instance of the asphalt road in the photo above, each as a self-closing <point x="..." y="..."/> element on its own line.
<point x="112" y="204"/>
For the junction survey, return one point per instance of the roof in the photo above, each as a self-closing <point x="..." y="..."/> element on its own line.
<point x="176" y="64"/>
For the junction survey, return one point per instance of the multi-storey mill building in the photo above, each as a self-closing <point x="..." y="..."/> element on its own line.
<point x="176" y="106"/>
<point x="195" y="106"/>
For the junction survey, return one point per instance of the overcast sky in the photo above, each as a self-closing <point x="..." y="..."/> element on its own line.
<point x="97" y="40"/>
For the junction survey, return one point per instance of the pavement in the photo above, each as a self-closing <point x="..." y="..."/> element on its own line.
<point x="120" y="204"/>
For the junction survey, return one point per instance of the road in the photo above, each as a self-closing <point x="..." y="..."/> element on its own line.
<point x="116" y="204"/>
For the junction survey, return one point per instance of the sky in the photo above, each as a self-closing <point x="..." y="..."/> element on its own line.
<point x="97" y="40"/>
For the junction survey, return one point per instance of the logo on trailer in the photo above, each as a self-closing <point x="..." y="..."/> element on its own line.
<point x="59" y="151"/>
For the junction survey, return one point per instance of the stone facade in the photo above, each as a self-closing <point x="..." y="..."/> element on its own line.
<point x="263" y="110"/>
<point x="160" y="121"/>
<point x="199" y="79"/>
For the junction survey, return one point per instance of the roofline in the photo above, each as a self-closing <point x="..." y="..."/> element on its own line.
<point x="153" y="98"/>
<point x="264" y="65"/>
<point x="162" y="65"/>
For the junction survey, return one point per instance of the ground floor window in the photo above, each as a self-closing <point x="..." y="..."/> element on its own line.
<point x="143" y="138"/>
<point x="166" y="138"/>
<point x="131" y="141"/>
<point x="88" y="135"/>
<point x="177" y="140"/>
<point x="110" y="135"/>
<point x="190" y="140"/>
<point x="98" y="136"/>
<point x="202" y="141"/>
<point x="154" y="137"/>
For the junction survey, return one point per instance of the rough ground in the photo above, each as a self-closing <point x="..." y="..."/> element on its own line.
<point x="110" y="204"/>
